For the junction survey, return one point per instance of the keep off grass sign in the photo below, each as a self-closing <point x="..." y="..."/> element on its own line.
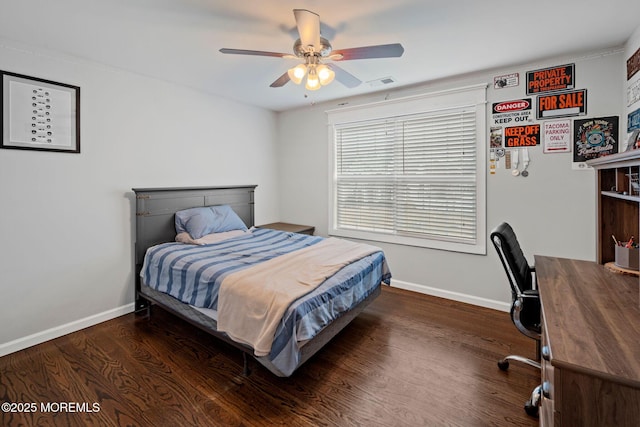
<point x="522" y="136"/>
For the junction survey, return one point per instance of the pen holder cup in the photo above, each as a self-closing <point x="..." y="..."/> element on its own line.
<point x="628" y="258"/>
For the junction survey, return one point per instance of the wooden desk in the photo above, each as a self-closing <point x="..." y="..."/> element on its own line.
<point x="591" y="344"/>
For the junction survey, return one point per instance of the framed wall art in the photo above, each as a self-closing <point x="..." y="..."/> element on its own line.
<point x="39" y="114"/>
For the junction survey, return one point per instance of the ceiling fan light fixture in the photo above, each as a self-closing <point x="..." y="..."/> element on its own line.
<point x="297" y="73"/>
<point x="313" y="49"/>
<point x="313" y="82"/>
<point x="325" y="74"/>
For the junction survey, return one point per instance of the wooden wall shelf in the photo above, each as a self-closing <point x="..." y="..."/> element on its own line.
<point x="618" y="201"/>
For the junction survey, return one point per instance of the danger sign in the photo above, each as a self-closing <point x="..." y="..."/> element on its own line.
<point x="551" y="79"/>
<point x="573" y="103"/>
<point x="522" y="136"/>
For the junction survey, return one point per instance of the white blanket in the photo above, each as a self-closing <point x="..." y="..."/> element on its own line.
<point x="251" y="302"/>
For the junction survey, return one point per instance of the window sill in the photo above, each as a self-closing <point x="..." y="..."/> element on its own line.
<point x="475" y="249"/>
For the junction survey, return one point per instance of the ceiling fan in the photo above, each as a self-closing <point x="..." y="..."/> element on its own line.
<point x="314" y="50"/>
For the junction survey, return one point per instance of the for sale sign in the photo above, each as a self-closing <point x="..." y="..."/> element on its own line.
<point x="573" y="103"/>
<point x="551" y="79"/>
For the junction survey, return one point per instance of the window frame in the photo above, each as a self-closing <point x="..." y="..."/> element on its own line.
<point x="430" y="103"/>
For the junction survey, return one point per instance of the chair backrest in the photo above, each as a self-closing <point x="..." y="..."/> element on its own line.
<point x="515" y="263"/>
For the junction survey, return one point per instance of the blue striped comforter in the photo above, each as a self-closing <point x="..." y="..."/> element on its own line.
<point x="193" y="275"/>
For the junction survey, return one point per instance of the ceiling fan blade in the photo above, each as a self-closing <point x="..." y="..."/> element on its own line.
<point x="326" y="31"/>
<point x="393" y="50"/>
<point x="281" y="81"/>
<point x="345" y="77"/>
<point x="308" y="24"/>
<point x="255" y="52"/>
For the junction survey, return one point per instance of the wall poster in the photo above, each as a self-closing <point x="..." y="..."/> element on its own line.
<point x="633" y="93"/>
<point x="565" y="104"/>
<point x="506" y="112"/>
<point x="495" y="137"/>
<point x="39" y="114"/>
<point x="522" y="136"/>
<point x="594" y="138"/>
<point x="633" y="64"/>
<point x="634" y="140"/>
<point x="557" y="136"/>
<point x="551" y="79"/>
<point x="506" y="80"/>
<point x="633" y="121"/>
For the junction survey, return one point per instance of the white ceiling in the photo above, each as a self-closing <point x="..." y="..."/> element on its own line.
<point x="178" y="40"/>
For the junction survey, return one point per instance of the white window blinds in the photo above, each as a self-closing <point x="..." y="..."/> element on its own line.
<point x="411" y="170"/>
<point x="412" y="176"/>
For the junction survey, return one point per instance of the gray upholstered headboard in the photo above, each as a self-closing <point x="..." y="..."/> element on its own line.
<point x="155" y="209"/>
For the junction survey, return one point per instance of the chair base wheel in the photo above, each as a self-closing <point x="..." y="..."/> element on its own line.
<point x="503" y="364"/>
<point x="531" y="409"/>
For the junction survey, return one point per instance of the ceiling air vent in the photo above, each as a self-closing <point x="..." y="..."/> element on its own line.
<point x="381" y="81"/>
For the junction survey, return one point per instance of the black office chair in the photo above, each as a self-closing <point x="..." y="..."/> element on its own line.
<point x="525" y="308"/>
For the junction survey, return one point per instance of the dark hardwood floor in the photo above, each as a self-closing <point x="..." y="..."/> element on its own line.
<point x="407" y="360"/>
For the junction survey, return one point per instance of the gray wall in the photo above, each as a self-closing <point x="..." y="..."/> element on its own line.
<point x="66" y="220"/>
<point x="553" y="210"/>
<point x="632" y="45"/>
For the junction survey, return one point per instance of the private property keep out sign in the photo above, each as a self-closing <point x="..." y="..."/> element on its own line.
<point x="550" y="79"/>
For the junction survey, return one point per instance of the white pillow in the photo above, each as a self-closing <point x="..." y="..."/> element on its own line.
<point x="185" y="237"/>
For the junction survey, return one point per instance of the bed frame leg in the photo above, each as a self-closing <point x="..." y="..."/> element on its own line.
<point x="142" y="305"/>
<point x="144" y="312"/>
<point x="246" y="371"/>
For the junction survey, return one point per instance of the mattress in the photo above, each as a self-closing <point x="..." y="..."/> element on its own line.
<point x="193" y="274"/>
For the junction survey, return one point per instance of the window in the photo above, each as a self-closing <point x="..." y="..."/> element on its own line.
<point x="411" y="171"/>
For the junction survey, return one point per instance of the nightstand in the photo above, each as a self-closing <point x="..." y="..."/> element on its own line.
<point x="291" y="228"/>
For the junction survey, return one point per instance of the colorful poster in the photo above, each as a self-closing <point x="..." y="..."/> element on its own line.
<point x="634" y="140"/>
<point x="557" y="136"/>
<point x="565" y="104"/>
<point x="495" y="137"/>
<point x="551" y="79"/>
<point x="594" y="138"/>
<point x="633" y="121"/>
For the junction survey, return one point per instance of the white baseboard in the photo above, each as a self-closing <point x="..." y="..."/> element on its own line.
<point x="455" y="296"/>
<point x="58" y="331"/>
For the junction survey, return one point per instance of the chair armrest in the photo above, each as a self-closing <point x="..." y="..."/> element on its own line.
<point x="528" y="294"/>
<point x="527" y="304"/>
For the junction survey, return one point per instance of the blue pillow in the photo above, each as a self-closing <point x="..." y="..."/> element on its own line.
<point x="199" y="222"/>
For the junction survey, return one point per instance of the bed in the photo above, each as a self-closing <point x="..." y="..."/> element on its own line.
<point x="306" y="322"/>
